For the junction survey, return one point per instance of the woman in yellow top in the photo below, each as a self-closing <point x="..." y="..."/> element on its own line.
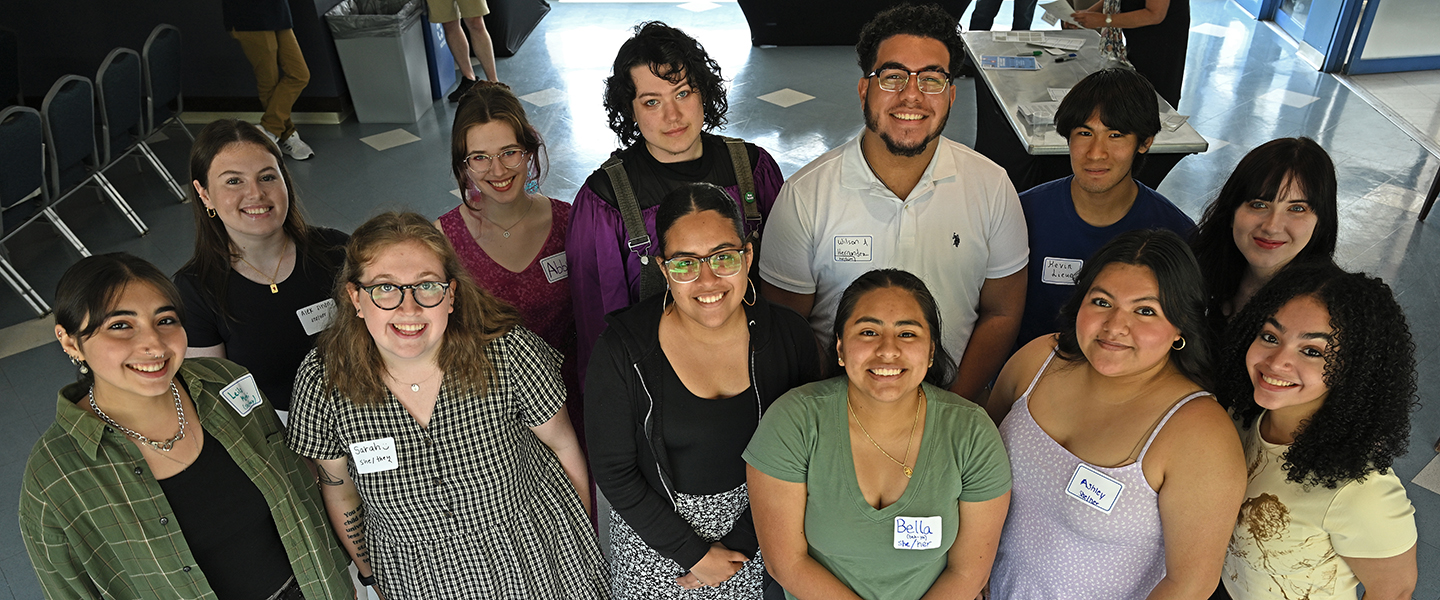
<point x="1319" y="371"/>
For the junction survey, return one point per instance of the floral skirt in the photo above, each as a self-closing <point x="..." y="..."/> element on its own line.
<point x="638" y="571"/>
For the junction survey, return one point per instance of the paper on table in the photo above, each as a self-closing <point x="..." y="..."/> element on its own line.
<point x="1060" y="9"/>
<point x="1028" y="37"/>
<point x="1009" y="63"/>
<point x="1058" y="94"/>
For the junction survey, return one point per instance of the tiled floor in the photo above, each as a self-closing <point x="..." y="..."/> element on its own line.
<point x="1245" y="86"/>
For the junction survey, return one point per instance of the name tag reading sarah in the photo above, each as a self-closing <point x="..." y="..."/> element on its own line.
<point x="242" y="394"/>
<point x="1097" y="490"/>
<point x="316" y="317"/>
<point x="917" y="533"/>
<point x="374" y="456"/>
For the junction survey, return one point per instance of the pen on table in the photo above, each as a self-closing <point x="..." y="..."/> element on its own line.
<point x="1034" y="53"/>
<point x="1070" y="56"/>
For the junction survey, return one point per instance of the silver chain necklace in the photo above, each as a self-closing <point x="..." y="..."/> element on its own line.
<point x="164" y="446"/>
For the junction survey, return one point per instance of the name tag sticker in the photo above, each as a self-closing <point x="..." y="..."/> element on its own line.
<point x="1097" y="490"/>
<point x="374" y="456"/>
<point x="316" y="317"/>
<point x="917" y="533"/>
<point x="1060" y="271"/>
<point x="852" y="248"/>
<point x="555" y="267"/>
<point x="243" y="395"/>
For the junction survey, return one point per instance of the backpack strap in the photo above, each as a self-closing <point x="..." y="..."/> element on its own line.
<point x="745" y="179"/>
<point x="652" y="281"/>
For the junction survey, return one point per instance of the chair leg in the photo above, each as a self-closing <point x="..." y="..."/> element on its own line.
<point x="164" y="173"/>
<point x="120" y="203"/>
<point x="65" y="232"/>
<point x="23" y="288"/>
<point x="1430" y="197"/>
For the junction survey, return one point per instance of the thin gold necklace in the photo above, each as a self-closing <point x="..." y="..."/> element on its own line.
<point x="505" y="231"/>
<point x="284" y="245"/>
<point x="920" y="400"/>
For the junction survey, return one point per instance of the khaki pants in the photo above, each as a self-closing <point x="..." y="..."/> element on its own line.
<point x="271" y="53"/>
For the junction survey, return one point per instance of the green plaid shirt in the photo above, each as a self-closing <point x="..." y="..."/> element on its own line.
<point x="96" y="523"/>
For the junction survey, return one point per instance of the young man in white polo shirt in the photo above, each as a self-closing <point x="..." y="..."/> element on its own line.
<point x="901" y="196"/>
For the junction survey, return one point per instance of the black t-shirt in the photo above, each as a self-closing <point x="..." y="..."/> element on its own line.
<point x="228" y="526"/>
<point x="706" y="437"/>
<point x="264" y="334"/>
<point x="256" y="15"/>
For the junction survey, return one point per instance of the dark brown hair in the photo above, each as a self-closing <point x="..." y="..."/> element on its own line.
<point x="942" y="370"/>
<point x="89" y="288"/>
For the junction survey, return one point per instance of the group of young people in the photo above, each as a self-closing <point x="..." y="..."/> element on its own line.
<point x="1179" y="412"/>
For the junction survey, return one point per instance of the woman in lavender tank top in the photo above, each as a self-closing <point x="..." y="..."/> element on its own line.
<point x="1127" y="475"/>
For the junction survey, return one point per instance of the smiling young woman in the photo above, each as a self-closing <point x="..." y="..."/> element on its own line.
<point x="159" y="470"/>
<point x="1127" y="474"/>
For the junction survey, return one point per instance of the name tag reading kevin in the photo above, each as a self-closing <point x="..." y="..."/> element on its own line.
<point x="316" y="317"/>
<point x="917" y="533"/>
<point x="374" y="456"/>
<point x="242" y="394"/>
<point x="1097" y="490"/>
<point x="1060" y="271"/>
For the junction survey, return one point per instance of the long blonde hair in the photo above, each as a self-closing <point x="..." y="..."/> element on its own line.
<point x="353" y="365"/>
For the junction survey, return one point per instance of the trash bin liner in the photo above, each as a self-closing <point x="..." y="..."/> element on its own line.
<point x="372" y="18"/>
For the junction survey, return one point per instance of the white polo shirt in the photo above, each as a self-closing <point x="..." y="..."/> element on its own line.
<point x="834" y="221"/>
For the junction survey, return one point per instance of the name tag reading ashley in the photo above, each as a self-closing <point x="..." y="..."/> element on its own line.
<point x="1097" y="490"/>
<point x="242" y="394"/>
<point x="374" y="456"/>
<point x="316" y="317"/>
<point x="917" y="533"/>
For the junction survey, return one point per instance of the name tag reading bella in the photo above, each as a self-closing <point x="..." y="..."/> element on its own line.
<point x="316" y="317"/>
<point x="917" y="533"/>
<point x="1097" y="490"/>
<point x="242" y="394"/>
<point x="555" y="267"/>
<point x="374" y="456"/>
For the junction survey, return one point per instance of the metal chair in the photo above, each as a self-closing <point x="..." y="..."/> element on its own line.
<point x="164" y="102"/>
<point x="23" y="194"/>
<point x="118" y="86"/>
<point x="10" y="69"/>
<point x="69" y="116"/>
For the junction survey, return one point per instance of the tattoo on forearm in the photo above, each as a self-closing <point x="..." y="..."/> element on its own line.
<point x="355" y="532"/>
<point x="325" y="477"/>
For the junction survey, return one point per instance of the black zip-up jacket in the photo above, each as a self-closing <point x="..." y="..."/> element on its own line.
<point x="624" y="407"/>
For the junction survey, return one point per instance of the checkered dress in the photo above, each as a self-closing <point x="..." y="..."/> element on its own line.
<point x="479" y="507"/>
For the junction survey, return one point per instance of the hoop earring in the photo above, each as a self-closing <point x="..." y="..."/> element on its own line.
<point x="751" y="291"/>
<point x="209" y="212"/>
<point x="665" y="298"/>
<point x="1180" y="347"/>
<point x="80" y="364"/>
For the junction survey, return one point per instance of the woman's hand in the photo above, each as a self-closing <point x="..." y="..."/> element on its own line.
<point x="717" y="566"/>
<point x="1089" y="20"/>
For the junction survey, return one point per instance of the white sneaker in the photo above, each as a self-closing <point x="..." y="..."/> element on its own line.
<point x="293" y="146"/>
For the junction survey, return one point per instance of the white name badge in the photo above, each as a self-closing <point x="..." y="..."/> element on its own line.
<point x="917" y="533"/>
<point x="316" y="317"/>
<point x="1060" y="271"/>
<point x="555" y="267"/>
<point x="1097" y="490"/>
<point x="374" y="456"/>
<point x="243" y="395"/>
<point x="852" y="248"/>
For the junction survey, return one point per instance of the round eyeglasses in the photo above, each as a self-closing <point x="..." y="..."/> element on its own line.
<point x="895" y="80"/>
<point x="478" y="163"/>
<point x="725" y="263"/>
<point x="388" y="296"/>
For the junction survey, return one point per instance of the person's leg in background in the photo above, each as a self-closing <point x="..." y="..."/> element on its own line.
<point x="1023" y="15"/>
<point x="484" y="48"/>
<point x="280" y="75"/>
<point x="983" y="19"/>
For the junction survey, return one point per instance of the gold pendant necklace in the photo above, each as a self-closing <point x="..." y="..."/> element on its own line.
<point x="505" y="231"/>
<point x="920" y="400"/>
<point x="274" y="288"/>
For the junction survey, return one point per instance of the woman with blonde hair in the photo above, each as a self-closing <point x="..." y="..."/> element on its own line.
<point x="447" y="462"/>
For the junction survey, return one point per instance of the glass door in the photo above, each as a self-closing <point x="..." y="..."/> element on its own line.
<point x="1397" y="35"/>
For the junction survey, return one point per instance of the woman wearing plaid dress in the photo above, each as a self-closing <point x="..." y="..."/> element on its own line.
<point x="447" y="462"/>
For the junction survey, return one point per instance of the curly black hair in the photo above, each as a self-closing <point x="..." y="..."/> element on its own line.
<point x="670" y="54"/>
<point x="920" y="20"/>
<point x="1364" y="422"/>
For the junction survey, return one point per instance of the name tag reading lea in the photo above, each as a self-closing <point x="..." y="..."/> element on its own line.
<point x="242" y="394"/>
<point x="917" y="533"/>
<point x="374" y="456"/>
<point x="1097" y="490"/>
<point x="316" y="317"/>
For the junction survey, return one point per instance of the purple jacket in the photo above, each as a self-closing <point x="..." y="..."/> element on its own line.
<point x="604" y="273"/>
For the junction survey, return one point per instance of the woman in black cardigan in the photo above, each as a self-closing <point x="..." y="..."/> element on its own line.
<point x="677" y="385"/>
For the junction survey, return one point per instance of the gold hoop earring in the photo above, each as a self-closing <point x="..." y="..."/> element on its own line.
<point x="1180" y="347"/>
<point x="751" y="292"/>
<point x="209" y="212"/>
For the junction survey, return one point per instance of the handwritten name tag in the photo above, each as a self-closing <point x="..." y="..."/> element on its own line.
<point x="555" y="267"/>
<point x="243" y="395"/>
<point x="852" y="248"/>
<point x="1097" y="490"/>
<point x="1060" y="271"/>
<point x="374" y="456"/>
<point x="316" y="317"/>
<point x="917" y="533"/>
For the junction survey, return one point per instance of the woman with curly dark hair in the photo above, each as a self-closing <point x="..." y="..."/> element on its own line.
<point x="1319" y="371"/>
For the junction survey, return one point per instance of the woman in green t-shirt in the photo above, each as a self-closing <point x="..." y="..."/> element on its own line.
<point x="880" y="484"/>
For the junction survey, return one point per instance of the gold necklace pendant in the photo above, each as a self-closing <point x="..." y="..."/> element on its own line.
<point x="909" y="472"/>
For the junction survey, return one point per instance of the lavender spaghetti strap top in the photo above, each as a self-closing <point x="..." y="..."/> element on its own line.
<point x="1055" y="546"/>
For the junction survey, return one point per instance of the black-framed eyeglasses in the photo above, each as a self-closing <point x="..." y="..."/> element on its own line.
<point x="479" y="163"/>
<point x="725" y="263"/>
<point x="895" y="80"/>
<point x="389" y="296"/>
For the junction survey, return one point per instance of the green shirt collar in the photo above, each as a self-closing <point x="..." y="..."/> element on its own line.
<point x="87" y="429"/>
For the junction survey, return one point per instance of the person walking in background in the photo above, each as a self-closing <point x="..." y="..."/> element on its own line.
<point x="264" y="30"/>
<point x="449" y="14"/>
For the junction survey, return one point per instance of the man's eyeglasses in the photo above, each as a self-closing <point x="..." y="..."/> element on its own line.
<point x="388" y="296"/>
<point x="725" y="263"/>
<point x="895" y="80"/>
<point x="479" y="163"/>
